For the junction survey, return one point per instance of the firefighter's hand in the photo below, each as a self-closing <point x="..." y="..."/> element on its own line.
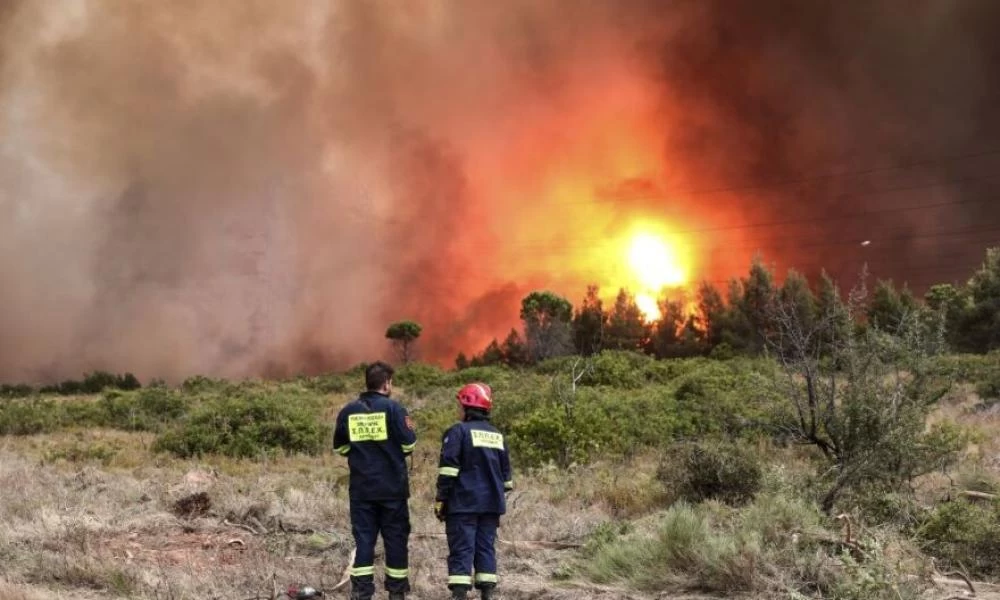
<point x="440" y="510"/>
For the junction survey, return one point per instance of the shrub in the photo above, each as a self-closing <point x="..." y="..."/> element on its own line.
<point x="29" y="416"/>
<point x="419" y="378"/>
<point x="93" y="383"/>
<point x="497" y="376"/>
<point x="19" y="390"/>
<point x="82" y="452"/>
<point x="727" y="472"/>
<point x="723" y="351"/>
<point x="327" y="384"/>
<point x="620" y="369"/>
<point x="259" y="422"/>
<point x="146" y="410"/>
<point x="869" y="419"/>
<point x="964" y="534"/>
<point x="878" y="506"/>
<point x="200" y="383"/>
<point x="771" y="547"/>
<point x="551" y="423"/>
<point x="966" y="368"/>
<point x="989" y="387"/>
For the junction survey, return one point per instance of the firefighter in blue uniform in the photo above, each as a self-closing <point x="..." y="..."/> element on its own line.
<point x="473" y="478"/>
<point x="376" y="435"/>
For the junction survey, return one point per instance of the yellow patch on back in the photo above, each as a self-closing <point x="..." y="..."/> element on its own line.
<point x="367" y="427"/>
<point x="486" y="439"/>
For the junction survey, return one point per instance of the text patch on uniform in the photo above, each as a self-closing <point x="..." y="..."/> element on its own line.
<point x="367" y="427"/>
<point x="486" y="439"/>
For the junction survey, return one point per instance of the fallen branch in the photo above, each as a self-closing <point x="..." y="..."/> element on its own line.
<point x="944" y="578"/>
<point x="241" y="526"/>
<point x="345" y="577"/>
<point x="978" y="495"/>
<point x="255" y="521"/>
<point x="285" y="528"/>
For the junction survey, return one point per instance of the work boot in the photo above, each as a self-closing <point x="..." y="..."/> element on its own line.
<point x="486" y="593"/>
<point x="356" y="595"/>
<point x="397" y="596"/>
<point x="459" y="593"/>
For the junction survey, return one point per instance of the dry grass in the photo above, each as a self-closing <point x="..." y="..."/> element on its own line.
<point x="93" y="516"/>
<point x="89" y="514"/>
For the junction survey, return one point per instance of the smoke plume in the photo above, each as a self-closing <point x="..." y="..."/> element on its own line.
<point x="259" y="188"/>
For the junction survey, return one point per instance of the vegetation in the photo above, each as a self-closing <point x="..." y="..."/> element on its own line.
<point x="403" y="335"/>
<point x="723" y="451"/>
<point x="776" y="545"/>
<point x="739" y="319"/>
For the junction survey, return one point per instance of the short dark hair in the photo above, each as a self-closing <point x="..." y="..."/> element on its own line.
<point x="377" y="375"/>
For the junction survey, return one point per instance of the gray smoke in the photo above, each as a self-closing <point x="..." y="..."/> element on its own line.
<point x="191" y="187"/>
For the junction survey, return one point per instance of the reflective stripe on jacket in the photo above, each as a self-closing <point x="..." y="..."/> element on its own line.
<point x="474" y="468"/>
<point x="376" y="435"/>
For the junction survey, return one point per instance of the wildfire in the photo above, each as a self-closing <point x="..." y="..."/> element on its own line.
<point x="587" y="201"/>
<point x="655" y="265"/>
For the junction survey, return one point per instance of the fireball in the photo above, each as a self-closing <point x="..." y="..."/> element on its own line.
<point x="654" y="262"/>
<point x="655" y="265"/>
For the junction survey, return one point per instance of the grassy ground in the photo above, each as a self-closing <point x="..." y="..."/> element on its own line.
<point x="95" y="514"/>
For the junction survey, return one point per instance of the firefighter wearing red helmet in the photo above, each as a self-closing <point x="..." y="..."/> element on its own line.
<point x="474" y="476"/>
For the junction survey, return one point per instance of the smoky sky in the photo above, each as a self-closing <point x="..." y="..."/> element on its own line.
<point x="258" y="188"/>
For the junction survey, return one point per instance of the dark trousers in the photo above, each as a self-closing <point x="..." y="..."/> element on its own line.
<point x="391" y="519"/>
<point x="471" y="544"/>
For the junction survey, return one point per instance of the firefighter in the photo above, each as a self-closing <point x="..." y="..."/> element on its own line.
<point x="376" y="435"/>
<point x="473" y="478"/>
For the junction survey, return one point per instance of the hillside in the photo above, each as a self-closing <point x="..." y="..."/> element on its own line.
<point x="651" y="478"/>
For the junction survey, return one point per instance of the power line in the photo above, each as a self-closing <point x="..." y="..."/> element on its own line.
<point x="844" y="216"/>
<point x="587" y="241"/>
<point x="357" y="216"/>
<point x="821" y="177"/>
<point x="928" y="270"/>
<point x="876" y="241"/>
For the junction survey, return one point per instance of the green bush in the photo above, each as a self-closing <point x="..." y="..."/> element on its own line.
<point x="964" y="534"/>
<point x="966" y="368"/>
<point x="769" y="548"/>
<point x="326" y="384"/>
<point x="93" y="383"/>
<point x="78" y="452"/>
<point x="620" y="369"/>
<point x="728" y="472"/>
<point x="250" y="424"/>
<point x="989" y="387"/>
<point x="551" y="423"/>
<point x="29" y="416"/>
<point x="146" y="410"/>
<point x="547" y="421"/>
<point x="497" y="376"/>
<point x="879" y="507"/>
<point x="200" y="383"/>
<point x="723" y="351"/>
<point x="419" y="378"/>
<point x="19" y="390"/>
<point x="433" y="420"/>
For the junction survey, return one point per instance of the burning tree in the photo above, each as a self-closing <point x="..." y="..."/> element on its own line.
<point x="861" y="395"/>
<point x="403" y="335"/>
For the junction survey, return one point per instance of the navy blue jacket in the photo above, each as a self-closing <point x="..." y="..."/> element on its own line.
<point x="376" y="435"/>
<point x="474" y="469"/>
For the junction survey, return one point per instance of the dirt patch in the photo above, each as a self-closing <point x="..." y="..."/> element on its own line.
<point x="199" y="551"/>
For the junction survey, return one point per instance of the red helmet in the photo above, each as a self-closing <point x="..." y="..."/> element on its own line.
<point x="476" y="395"/>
